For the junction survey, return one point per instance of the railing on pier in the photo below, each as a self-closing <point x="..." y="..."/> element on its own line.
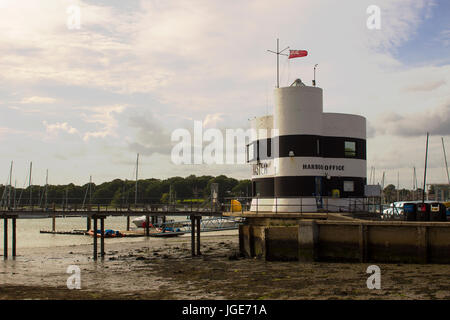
<point x="303" y="204"/>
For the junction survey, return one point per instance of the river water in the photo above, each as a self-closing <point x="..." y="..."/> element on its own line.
<point x="29" y="236"/>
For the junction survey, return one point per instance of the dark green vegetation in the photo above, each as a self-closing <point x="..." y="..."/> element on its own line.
<point x="121" y="193"/>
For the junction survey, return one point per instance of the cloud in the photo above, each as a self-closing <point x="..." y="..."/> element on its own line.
<point x="426" y="86"/>
<point x="152" y="134"/>
<point x="37" y="100"/>
<point x="207" y="60"/>
<point x="104" y="119"/>
<point x="56" y="127"/>
<point x="435" y="121"/>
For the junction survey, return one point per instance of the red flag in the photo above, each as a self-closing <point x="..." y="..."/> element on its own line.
<point x="297" y="53"/>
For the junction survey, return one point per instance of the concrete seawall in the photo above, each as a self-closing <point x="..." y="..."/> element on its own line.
<point x="352" y="241"/>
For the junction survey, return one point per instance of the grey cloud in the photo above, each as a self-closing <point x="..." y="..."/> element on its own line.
<point x="435" y="121"/>
<point x="426" y="86"/>
<point x="151" y="136"/>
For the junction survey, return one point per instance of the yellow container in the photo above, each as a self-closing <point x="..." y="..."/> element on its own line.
<point x="236" y="206"/>
<point x="335" y="193"/>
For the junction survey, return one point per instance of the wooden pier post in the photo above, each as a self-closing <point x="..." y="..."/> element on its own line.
<point x="14" y="237"/>
<point x="5" y="237"/>
<point x="193" y="235"/>
<point x="147" y="226"/>
<point x="198" y="235"/>
<point x="53" y="223"/>
<point x="95" y="237"/>
<point x="128" y="223"/>
<point x="88" y="223"/>
<point x="102" y="238"/>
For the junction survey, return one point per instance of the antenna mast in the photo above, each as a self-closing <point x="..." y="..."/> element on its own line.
<point x="314" y="81"/>
<point x="278" y="52"/>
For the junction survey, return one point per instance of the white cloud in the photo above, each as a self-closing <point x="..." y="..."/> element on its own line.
<point x="56" y="127"/>
<point x="37" y="100"/>
<point x="104" y="119"/>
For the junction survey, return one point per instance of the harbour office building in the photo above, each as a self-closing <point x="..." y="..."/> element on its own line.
<point x="304" y="159"/>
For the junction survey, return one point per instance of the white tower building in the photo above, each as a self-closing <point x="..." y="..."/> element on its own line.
<point x="308" y="160"/>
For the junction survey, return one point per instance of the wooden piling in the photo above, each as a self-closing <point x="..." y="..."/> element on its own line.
<point x="128" y="223"/>
<point x="53" y="223"/>
<point x="102" y="238"/>
<point x="5" y="238"/>
<point x="88" y="223"/>
<point x="147" y="226"/>
<point x="193" y="235"/>
<point x="198" y="236"/>
<point x="14" y="237"/>
<point x="95" y="238"/>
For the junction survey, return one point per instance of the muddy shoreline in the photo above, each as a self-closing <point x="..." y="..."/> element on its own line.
<point x="165" y="270"/>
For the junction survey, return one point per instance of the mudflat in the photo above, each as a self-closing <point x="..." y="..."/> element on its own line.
<point x="165" y="269"/>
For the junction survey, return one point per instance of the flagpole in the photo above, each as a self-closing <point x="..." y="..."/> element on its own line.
<point x="278" y="52"/>
<point x="278" y="63"/>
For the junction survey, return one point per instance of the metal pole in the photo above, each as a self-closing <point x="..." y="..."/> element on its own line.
<point x="102" y="238"/>
<point x="198" y="235"/>
<point x="5" y="238"/>
<point x="136" y="188"/>
<point x="46" y="189"/>
<point x="445" y="158"/>
<point x="95" y="237"/>
<point x="10" y="186"/>
<point x="278" y="58"/>
<point x="14" y="237"/>
<point x="425" y="171"/>
<point x="193" y="235"/>
<point x="147" y="225"/>
<point x="29" y="183"/>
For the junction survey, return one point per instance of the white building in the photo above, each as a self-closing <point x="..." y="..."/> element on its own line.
<point x="305" y="159"/>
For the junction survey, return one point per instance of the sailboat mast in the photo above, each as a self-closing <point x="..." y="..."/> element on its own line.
<point x="136" y="187"/>
<point x="46" y="189"/>
<point x="90" y="189"/>
<point x="445" y="158"/>
<point x="425" y="171"/>
<point x="10" y="185"/>
<point x="29" y="184"/>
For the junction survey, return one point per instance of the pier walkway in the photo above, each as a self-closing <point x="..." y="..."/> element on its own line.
<point x="97" y="214"/>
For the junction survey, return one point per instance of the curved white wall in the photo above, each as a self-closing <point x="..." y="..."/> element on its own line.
<point x="343" y="125"/>
<point x="298" y="110"/>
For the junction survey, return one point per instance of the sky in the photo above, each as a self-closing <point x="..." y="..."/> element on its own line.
<point x="83" y="101"/>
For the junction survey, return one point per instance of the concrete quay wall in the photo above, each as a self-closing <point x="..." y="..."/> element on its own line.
<point x="345" y="241"/>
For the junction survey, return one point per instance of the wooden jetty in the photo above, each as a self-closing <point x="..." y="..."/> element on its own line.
<point x="95" y="215"/>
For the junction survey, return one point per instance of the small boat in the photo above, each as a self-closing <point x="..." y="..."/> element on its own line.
<point x="108" y="233"/>
<point x="140" y="222"/>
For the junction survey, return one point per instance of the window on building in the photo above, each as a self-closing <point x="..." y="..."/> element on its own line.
<point x="350" y="149"/>
<point x="251" y="152"/>
<point x="349" y="186"/>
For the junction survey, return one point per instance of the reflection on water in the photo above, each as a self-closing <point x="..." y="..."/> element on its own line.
<point x="28" y="235"/>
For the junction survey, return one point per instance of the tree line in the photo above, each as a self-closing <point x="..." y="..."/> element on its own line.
<point x="123" y="192"/>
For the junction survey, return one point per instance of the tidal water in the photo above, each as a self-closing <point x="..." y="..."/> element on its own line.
<point x="29" y="236"/>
